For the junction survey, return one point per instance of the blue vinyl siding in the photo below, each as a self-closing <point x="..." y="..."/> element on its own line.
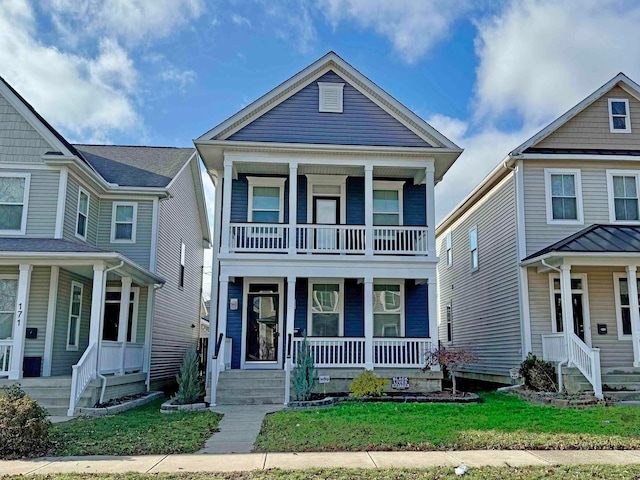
<point x="302" y="199"/>
<point x="353" y="308"/>
<point x="302" y="300"/>
<point x="240" y="198"/>
<point x="297" y="120"/>
<point x="414" y="204"/>
<point x="355" y="201"/>
<point x="416" y="311"/>
<point x="234" y="322"/>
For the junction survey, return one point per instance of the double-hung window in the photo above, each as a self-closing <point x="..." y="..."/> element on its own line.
<point x="449" y="252"/>
<point x="123" y="222"/>
<point x="82" y="218"/>
<point x="75" y="314"/>
<point x="388" y="312"/>
<point x="623" y="310"/>
<point x="266" y="200"/>
<point x="14" y="194"/>
<point x="619" y="119"/>
<point x="563" y="196"/>
<point x="623" y="195"/>
<point x="326" y="308"/>
<point x="473" y="247"/>
<point x="387" y="203"/>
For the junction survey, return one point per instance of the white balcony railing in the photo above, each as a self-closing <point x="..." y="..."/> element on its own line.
<point x="82" y="373"/>
<point x="554" y="348"/>
<point x="111" y="357"/>
<point x="400" y="352"/>
<point x="342" y="239"/>
<point x="5" y="357"/>
<point x="333" y="351"/>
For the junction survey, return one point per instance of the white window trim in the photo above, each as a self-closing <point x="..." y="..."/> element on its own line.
<point x="73" y="348"/>
<point x="16" y="278"/>
<point x="333" y="180"/>
<point x="448" y="249"/>
<point x="183" y="269"/>
<point x="323" y="87"/>
<point x="391" y="185"/>
<point x="381" y="281"/>
<point x="266" y="182"/>
<point x="547" y="193"/>
<point x="612" y="208"/>
<point x="627" y="116"/>
<point x="323" y="281"/>
<point x="585" y="302"/>
<point x="617" y="276"/>
<point x="136" y="301"/>
<point x="477" y="250"/>
<point x="113" y="221"/>
<point x="78" y="213"/>
<point x="448" y="321"/>
<point x="25" y="202"/>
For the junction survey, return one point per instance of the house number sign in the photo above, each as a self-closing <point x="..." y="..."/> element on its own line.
<point x="400" y="383"/>
<point x="19" y="313"/>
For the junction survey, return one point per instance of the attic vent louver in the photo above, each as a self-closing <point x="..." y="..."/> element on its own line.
<point x="330" y="97"/>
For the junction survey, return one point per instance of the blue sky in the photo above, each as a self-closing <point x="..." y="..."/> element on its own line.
<point x="486" y="73"/>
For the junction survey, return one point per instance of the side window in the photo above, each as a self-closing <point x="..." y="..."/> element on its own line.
<point x="473" y="247"/>
<point x="75" y="313"/>
<point x="14" y="195"/>
<point x="82" y="217"/>
<point x="123" y="222"/>
<point x="449" y="323"/>
<point x="449" y="251"/>
<point x="182" y="263"/>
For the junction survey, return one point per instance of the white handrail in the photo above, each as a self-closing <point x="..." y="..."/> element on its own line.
<point x="5" y="357"/>
<point x="554" y="348"/>
<point x="400" y="352"/>
<point x="400" y="239"/>
<point x="587" y="360"/>
<point x="83" y="372"/>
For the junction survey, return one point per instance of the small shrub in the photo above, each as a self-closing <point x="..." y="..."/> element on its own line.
<point x="189" y="385"/>
<point x="538" y="374"/>
<point x="368" y="384"/>
<point x="451" y="359"/>
<point x="304" y="373"/>
<point x="24" y="428"/>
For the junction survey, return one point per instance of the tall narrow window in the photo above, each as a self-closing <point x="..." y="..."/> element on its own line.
<point x="182" y="262"/>
<point x="14" y="192"/>
<point x="326" y="309"/>
<point x="623" y="196"/>
<point x="448" y="248"/>
<point x="75" y="314"/>
<point x="563" y="196"/>
<point x="623" y="305"/>
<point x="8" y="295"/>
<point x="82" y="219"/>
<point x="123" y="226"/>
<point x="473" y="247"/>
<point x="387" y="310"/>
<point x="619" y="119"/>
<point x="449" y="323"/>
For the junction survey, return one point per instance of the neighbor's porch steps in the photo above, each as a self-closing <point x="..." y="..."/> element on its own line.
<point x="250" y="387"/>
<point x="53" y="392"/>
<point x="621" y="383"/>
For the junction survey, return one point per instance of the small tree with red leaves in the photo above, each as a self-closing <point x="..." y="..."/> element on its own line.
<point x="453" y="359"/>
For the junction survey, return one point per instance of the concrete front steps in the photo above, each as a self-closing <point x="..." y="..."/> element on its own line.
<point x="250" y="387"/>
<point x="619" y="383"/>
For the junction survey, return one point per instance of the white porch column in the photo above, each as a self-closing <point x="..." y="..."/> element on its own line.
<point x="430" y="209"/>
<point x="432" y="308"/>
<point x="223" y="301"/>
<point x="567" y="303"/>
<point x="97" y="306"/>
<point x="225" y="208"/>
<point x="632" y="278"/>
<point x="51" y="321"/>
<point x="20" y="322"/>
<point x="368" y="323"/>
<point x="288" y="340"/>
<point x="293" y="206"/>
<point x="368" y="209"/>
<point x="123" y="319"/>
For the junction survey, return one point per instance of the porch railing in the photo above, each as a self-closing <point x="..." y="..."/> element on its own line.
<point x="554" y="348"/>
<point x="263" y="237"/>
<point x="82" y="373"/>
<point x="332" y="351"/>
<point x="587" y="360"/>
<point x="331" y="239"/>
<point x="111" y="357"/>
<point x="5" y="357"/>
<point x="400" y="240"/>
<point x="405" y="352"/>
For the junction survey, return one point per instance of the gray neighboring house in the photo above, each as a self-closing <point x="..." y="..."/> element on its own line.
<point x="542" y="256"/>
<point x="84" y="228"/>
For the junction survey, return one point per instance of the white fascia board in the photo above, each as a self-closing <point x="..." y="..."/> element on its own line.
<point x="626" y="83"/>
<point x="577" y="157"/>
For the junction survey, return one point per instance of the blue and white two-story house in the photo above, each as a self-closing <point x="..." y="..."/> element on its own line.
<point x="325" y="188"/>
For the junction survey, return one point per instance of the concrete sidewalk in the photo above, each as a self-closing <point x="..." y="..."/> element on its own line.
<point x="261" y="461"/>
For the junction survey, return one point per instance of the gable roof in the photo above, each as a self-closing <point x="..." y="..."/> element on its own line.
<point x="136" y="166"/>
<point x="620" y="79"/>
<point x="330" y="61"/>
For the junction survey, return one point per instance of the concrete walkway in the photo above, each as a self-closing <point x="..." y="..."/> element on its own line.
<point x="287" y="461"/>
<point x="239" y="428"/>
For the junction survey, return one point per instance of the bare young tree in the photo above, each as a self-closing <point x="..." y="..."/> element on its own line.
<point x="453" y="359"/>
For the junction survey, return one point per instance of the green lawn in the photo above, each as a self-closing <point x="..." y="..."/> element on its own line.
<point x="140" y="431"/>
<point x="444" y="473"/>
<point x="500" y="421"/>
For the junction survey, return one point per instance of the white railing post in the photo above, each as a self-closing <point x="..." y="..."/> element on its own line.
<point x="225" y="208"/>
<point x="634" y="309"/>
<point x="368" y="323"/>
<point x="429" y="180"/>
<point x="368" y="209"/>
<point x="123" y="319"/>
<point x="20" y="321"/>
<point x="293" y="206"/>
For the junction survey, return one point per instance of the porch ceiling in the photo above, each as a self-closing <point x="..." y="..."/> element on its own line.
<point x="320" y="169"/>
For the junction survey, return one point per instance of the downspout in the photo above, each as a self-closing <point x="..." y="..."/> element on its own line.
<point x="564" y="362"/>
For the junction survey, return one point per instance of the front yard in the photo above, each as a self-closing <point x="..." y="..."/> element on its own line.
<point x="500" y="421"/>
<point x="137" y="432"/>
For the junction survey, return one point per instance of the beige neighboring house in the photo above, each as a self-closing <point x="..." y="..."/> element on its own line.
<point x="543" y="255"/>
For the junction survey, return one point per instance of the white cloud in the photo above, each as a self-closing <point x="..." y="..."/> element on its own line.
<point x="240" y="20"/>
<point x="182" y="78"/>
<point x="538" y="58"/>
<point x="87" y="96"/>
<point x="412" y="26"/>
<point x="127" y="20"/>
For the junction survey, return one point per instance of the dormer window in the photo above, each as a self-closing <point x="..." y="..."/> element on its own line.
<point x="619" y="119"/>
<point x="330" y="97"/>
